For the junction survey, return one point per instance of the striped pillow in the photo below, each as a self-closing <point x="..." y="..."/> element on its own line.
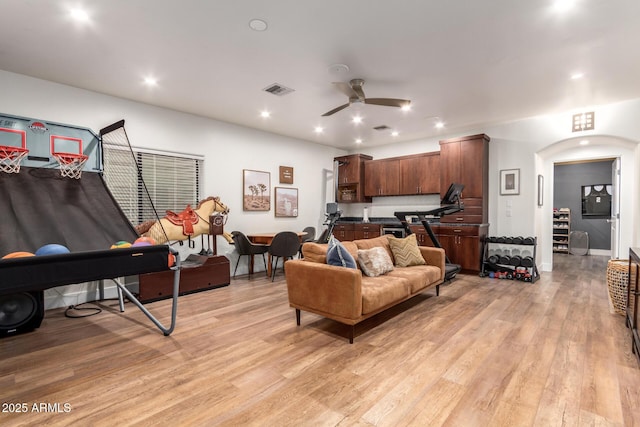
<point x="405" y="251"/>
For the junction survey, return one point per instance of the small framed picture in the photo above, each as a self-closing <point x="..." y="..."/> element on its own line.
<point x="286" y="175"/>
<point x="256" y="190"/>
<point x="286" y="202"/>
<point x="509" y="182"/>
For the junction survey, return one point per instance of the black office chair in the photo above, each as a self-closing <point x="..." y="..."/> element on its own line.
<point x="310" y="236"/>
<point x="284" y="245"/>
<point x="245" y="247"/>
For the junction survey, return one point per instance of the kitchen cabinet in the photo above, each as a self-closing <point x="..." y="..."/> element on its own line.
<point x="350" y="179"/>
<point x="420" y="174"/>
<point x="466" y="161"/>
<point x="366" y="231"/>
<point x="344" y="232"/>
<point x="463" y="245"/>
<point x="382" y="177"/>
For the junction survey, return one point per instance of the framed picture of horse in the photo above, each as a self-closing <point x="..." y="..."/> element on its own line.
<point x="286" y="202"/>
<point x="256" y="190"/>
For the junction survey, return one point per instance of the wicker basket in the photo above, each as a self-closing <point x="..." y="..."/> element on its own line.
<point x="617" y="280"/>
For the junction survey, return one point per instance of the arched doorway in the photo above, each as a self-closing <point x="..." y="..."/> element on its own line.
<point x="571" y="150"/>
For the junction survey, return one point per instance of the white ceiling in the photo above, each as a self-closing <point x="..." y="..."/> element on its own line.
<point x="466" y="62"/>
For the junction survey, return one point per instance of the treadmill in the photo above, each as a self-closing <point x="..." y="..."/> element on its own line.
<point x="450" y="204"/>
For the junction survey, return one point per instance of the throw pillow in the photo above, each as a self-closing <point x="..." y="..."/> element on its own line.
<point x="338" y="254"/>
<point x="375" y="261"/>
<point x="406" y="251"/>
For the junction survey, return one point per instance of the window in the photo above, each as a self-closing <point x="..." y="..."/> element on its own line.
<point x="172" y="182"/>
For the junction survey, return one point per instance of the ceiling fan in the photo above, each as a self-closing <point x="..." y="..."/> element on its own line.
<point x="353" y="90"/>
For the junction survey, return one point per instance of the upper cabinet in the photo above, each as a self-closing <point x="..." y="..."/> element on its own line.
<point x="382" y="177"/>
<point x="350" y="188"/>
<point x="466" y="161"/>
<point x="420" y="174"/>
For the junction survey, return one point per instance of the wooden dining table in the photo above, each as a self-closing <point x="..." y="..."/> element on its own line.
<point x="265" y="239"/>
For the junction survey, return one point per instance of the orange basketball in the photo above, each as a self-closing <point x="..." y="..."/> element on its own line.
<point x="17" y="255"/>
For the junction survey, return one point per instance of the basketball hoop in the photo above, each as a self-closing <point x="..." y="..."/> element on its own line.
<point x="11" y="157"/>
<point x="71" y="164"/>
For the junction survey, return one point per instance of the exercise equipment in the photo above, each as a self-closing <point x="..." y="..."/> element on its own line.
<point x="450" y="204"/>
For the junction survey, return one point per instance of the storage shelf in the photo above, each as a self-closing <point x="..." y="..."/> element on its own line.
<point x="561" y="230"/>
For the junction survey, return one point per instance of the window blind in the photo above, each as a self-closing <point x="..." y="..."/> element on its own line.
<point x="172" y="182"/>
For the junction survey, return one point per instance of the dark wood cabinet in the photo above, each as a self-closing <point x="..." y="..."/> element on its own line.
<point x="366" y="231"/>
<point x="344" y="232"/>
<point x="199" y="273"/>
<point x="466" y="161"/>
<point x="463" y="245"/>
<point x="382" y="177"/>
<point x="420" y="174"/>
<point x="350" y="179"/>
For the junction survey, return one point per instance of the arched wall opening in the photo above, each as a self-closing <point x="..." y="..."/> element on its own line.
<point x="570" y="150"/>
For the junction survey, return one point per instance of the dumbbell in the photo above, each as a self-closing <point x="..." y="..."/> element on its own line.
<point x="518" y="240"/>
<point x="515" y="260"/>
<point x="528" y="241"/>
<point x="494" y="259"/>
<point x="527" y="261"/>
<point x="505" y="259"/>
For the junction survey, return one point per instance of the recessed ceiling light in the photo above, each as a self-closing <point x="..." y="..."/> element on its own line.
<point x="318" y="129"/>
<point x="258" y="25"/>
<point x="358" y="141"/>
<point x="357" y="119"/>
<point x="151" y="81"/>
<point x="406" y="107"/>
<point x="439" y="125"/>
<point x="563" y="5"/>
<point x="576" y="76"/>
<point x="584" y="142"/>
<point x="265" y="114"/>
<point x="338" y="68"/>
<point x="79" y="15"/>
<point x="395" y="133"/>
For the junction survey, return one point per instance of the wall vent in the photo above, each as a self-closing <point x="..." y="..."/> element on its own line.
<point x="278" y="89"/>
<point x="382" y="127"/>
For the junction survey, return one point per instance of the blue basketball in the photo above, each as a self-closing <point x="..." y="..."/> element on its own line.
<point x="52" y="249"/>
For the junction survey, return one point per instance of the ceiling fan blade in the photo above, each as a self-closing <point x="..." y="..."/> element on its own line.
<point x="335" y="110"/>
<point x="346" y="89"/>
<point x="388" y="102"/>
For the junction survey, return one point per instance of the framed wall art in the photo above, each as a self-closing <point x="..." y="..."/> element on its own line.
<point x="509" y="182"/>
<point x="286" y="175"/>
<point x="256" y="190"/>
<point x="286" y="202"/>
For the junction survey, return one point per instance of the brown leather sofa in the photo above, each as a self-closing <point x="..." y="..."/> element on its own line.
<point x="347" y="295"/>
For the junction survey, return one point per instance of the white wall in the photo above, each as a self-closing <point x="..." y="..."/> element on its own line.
<point x="227" y="150"/>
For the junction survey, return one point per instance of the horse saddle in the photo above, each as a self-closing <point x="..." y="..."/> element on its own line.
<point x="186" y="219"/>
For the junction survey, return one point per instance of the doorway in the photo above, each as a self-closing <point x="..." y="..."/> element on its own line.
<point x="627" y="155"/>
<point x="583" y="197"/>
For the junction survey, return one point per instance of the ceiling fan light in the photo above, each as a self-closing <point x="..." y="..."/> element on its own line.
<point x="406" y="107"/>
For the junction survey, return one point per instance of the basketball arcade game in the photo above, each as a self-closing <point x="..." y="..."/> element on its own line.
<point x="53" y="191"/>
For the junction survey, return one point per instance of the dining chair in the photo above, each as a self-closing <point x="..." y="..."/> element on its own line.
<point x="244" y="246"/>
<point x="285" y="245"/>
<point x="310" y="236"/>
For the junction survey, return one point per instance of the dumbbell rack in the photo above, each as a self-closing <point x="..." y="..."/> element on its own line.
<point x="509" y="270"/>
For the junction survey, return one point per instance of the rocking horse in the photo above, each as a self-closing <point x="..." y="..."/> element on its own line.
<point x="186" y="224"/>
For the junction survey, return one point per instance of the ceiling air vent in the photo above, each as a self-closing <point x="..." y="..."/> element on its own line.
<point x="278" y="89"/>
<point x="382" y="127"/>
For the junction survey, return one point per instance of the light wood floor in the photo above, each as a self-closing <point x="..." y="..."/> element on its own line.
<point x="486" y="352"/>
